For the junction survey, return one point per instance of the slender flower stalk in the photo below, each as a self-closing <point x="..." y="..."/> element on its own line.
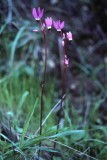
<point x="64" y="37"/>
<point x="44" y="80"/>
<point x="38" y="15"/>
<point x="63" y="75"/>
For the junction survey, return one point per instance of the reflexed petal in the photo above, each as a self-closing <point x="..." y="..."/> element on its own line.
<point x="41" y="13"/>
<point x="51" y="20"/>
<point x="55" y="24"/>
<point x="34" y="13"/>
<point x="62" y="25"/>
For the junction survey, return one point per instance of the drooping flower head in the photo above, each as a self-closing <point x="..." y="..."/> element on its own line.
<point x="58" y="25"/>
<point x="69" y="36"/>
<point x="48" y="22"/>
<point x="37" y="13"/>
<point x="66" y="60"/>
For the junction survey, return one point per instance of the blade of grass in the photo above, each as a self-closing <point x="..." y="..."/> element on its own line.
<point x="23" y="98"/>
<point x="26" y="125"/>
<point x="75" y="150"/>
<point x="3" y="27"/>
<point x="76" y="134"/>
<point x="15" y="70"/>
<point x="14" y="45"/>
<point x="1" y="157"/>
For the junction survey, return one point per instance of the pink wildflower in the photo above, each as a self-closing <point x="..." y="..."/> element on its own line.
<point x="58" y="25"/>
<point x="37" y="13"/>
<point x="66" y="60"/>
<point x="69" y="36"/>
<point x="48" y="22"/>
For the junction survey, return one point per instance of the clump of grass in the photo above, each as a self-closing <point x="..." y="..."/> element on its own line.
<point x="19" y="107"/>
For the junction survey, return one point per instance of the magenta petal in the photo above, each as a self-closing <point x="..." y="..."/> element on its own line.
<point x="62" y="25"/>
<point x="39" y="11"/>
<point x="50" y="20"/>
<point x="34" y="13"/>
<point x="55" y="25"/>
<point x="59" y="23"/>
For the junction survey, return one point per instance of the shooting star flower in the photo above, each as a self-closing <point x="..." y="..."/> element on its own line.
<point x="48" y="22"/>
<point x="37" y="13"/>
<point x="58" y="25"/>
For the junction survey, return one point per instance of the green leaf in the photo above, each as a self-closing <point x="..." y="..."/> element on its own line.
<point x="3" y="27"/>
<point x="75" y="134"/>
<point x="26" y="125"/>
<point x="14" y="44"/>
<point x="23" y="98"/>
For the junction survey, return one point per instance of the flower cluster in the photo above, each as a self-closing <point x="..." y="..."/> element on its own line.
<point x="38" y="14"/>
<point x="58" y="25"/>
